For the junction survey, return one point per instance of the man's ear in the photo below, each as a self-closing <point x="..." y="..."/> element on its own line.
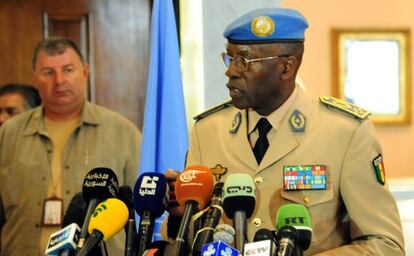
<point x="289" y="67"/>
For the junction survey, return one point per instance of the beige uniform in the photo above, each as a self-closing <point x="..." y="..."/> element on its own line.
<point x="354" y="215"/>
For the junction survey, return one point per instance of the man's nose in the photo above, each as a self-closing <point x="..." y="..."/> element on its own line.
<point x="232" y="71"/>
<point x="59" y="77"/>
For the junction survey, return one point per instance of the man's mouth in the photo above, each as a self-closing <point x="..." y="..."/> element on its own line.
<point x="234" y="91"/>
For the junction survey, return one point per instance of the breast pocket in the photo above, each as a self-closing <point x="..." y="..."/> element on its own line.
<point x="20" y="184"/>
<point x="323" y="207"/>
<point x="308" y="198"/>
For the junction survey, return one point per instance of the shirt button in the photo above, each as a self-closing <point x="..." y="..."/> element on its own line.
<point x="257" y="222"/>
<point x="306" y="199"/>
<point x="258" y="179"/>
<point x="67" y="192"/>
<point x="67" y="167"/>
<point x="37" y="225"/>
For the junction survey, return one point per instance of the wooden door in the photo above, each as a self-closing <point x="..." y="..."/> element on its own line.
<point x="113" y="34"/>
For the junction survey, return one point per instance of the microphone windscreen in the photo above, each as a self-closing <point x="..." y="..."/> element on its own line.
<point x="297" y="216"/>
<point x="239" y="194"/>
<point x="100" y="183"/>
<point x="125" y="195"/>
<point x="263" y="234"/>
<point x="151" y="193"/>
<point x="109" y="217"/>
<point x="195" y="183"/>
<point x="224" y="232"/>
<point x="64" y="239"/>
<point x="76" y="211"/>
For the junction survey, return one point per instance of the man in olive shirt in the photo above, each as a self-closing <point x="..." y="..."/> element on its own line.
<point x="45" y="153"/>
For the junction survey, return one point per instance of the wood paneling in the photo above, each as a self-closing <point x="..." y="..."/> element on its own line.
<point x="118" y="45"/>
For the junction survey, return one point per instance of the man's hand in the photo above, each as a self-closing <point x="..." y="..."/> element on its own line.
<point x="173" y="207"/>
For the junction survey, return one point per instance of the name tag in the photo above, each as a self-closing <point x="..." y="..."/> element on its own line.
<point x="304" y="177"/>
<point x="52" y="212"/>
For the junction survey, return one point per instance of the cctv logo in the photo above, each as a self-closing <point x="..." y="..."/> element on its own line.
<point x="257" y="251"/>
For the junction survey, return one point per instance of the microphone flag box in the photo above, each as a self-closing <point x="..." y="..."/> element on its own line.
<point x="65" y="238"/>
<point x="260" y="248"/>
<point x="218" y="248"/>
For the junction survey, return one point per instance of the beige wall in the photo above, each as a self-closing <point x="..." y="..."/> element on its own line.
<point x="316" y="73"/>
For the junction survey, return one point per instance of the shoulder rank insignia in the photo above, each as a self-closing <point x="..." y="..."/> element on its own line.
<point x="213" y="110"/>
<point x="379" y="169"/>
<point x="345" y="106"/>
<point x="236" y="123"/>
<point x="297" y="121"/>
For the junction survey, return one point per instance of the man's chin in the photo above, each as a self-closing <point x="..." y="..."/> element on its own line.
<point x="240" y="104"/>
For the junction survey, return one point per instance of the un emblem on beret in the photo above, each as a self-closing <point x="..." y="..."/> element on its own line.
<point x="262" y="26"/>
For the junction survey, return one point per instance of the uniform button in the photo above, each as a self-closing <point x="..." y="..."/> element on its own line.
<point x="43" y="178"/>
<point x="258" y="179"/>
<point x="257" y="222"/>
<point x="67" y="192"/>
<point x="37" y="225"/>
<point x="39" y="203"/>
<point x="49" y="151"/>
<point x="306" y="199"/>
<point x="67" y="167"/>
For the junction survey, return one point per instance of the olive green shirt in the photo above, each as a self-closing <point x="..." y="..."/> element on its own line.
<point x="103" y="138"/>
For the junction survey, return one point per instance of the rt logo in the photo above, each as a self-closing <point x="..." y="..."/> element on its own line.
<point x="295" y="220"/>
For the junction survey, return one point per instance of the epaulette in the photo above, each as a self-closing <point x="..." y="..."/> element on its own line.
<point x="213" y="110"/>
<point x="345" y="106"/>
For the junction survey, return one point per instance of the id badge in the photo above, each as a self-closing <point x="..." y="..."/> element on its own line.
<point x="52" y="212"/>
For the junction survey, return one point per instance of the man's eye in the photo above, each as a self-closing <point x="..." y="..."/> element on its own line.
<point x="47" y="73"/>
<point x="68" y="70"/>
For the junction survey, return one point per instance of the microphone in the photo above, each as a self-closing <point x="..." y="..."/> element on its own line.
<point x="218" y="248"/>
<point x="239" y="202"/>
<point x="193" y="188"/>
<point x="294" y="229"/>
<point x="125" y="195"/>
<point x="263" y="244"/>
<point x="212" y="218"/>
<point x="224" y="232"/>
<point x="99" y="184"/>
<point x="73" y="215"/>
<point x="108" y="218"/>
<point x="63" y="242"/>
<point x="75" y="212"/>
<point x="151" y="195"/>
<point x="223" y="237"/>
<point x="156" y="248"/>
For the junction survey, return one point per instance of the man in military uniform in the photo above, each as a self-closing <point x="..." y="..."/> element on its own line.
<point x="321" y="153"/>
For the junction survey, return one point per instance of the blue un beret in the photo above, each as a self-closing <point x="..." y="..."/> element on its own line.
<point x="268" y="25"/>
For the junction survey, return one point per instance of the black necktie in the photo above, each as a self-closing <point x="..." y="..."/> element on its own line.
<point x="259" y="149"/>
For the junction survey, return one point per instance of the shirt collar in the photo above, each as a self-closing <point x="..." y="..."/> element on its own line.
<point x="36" y="123"/>
<point x="275" y="117"/>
